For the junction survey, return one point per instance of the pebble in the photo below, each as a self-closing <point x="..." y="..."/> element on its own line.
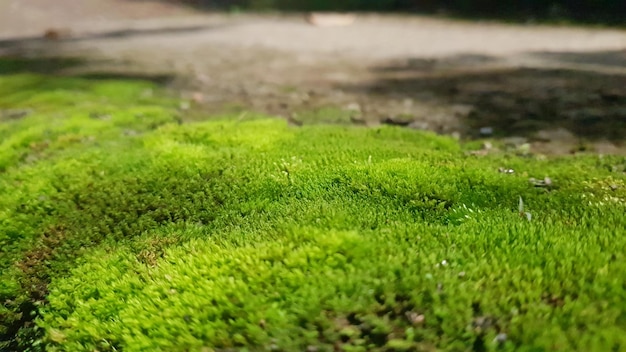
<point x="486" y="131"/>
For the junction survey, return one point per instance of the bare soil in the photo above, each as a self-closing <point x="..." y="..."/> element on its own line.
<point x="561" y="89"/>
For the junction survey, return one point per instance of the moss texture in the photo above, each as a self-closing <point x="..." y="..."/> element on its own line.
<point x="121" y="229"/>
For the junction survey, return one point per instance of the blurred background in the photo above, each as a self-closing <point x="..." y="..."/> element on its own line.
<point x="550" y="74"/>
<point x="603" y="11"/>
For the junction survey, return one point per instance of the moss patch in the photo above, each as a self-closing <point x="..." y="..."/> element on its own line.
<point x="122" y="229"/>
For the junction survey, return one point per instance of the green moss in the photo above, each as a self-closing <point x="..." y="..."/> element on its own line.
<point x="121" y="229"/>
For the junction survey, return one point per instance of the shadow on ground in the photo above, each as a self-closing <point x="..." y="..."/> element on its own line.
<point x="609" y="59"/>
<point x="16" y="64"/>
<point x="515" y="102"/>
<point x="70" y="67"/>
<point x="53" y="37"/>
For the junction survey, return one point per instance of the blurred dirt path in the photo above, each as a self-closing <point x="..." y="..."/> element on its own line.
<point x="559" y="88"/>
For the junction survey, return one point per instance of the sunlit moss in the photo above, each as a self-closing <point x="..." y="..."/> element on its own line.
<point x="124" y="230"/>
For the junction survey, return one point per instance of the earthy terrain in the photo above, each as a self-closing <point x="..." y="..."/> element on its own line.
<point x="559" y="88"/>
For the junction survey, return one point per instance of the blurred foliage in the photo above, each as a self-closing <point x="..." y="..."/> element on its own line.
<point x="604" y="11"/>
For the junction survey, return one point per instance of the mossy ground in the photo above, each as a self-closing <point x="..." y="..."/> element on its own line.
<point x="122" y="229"/>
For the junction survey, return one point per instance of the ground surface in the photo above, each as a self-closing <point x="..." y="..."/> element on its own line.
<point x="559" y="88"/>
